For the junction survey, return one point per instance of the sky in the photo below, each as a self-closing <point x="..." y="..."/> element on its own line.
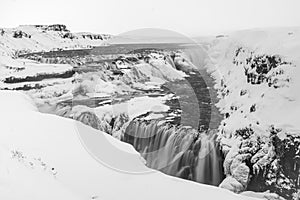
<point x="188" y="17"/>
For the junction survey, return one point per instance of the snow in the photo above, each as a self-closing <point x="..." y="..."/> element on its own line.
<point x="159" y="71"/>
<point x="18" y="181"/>
<point x="42" y="40"/>
<point x="17" y="100"/>
<point x="136" y="106"/>
<point x="38" y="39"/>
<point x="29" y="68"/>
<point x="280" y="106"/>
<point x="32" y="143"/>
<point x="230" y="60"/>
<point x="77" y="173"/>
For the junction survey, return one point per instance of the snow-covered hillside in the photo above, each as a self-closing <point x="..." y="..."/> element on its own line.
<point x="257" y="76"/>
<point x="24" y="74"/>
<point x="36" y="38"/>
<point x="42" y="158"/>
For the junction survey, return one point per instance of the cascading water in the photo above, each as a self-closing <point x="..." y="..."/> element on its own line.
<point x="177" y="150"/>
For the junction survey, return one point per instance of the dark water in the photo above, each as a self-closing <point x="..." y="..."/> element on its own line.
<point x="110" y="50"/>
<point x="196" y="102"/>
<point x="185" y="147"/>
<point x="193" y="106"/>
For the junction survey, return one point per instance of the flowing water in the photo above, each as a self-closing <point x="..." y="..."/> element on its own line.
<point x="177" y="150"/>
<point x="185" y="145"/>
<point x="180" y="149"/>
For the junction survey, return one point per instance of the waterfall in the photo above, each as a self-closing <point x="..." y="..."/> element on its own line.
<point x="177" y="150"/>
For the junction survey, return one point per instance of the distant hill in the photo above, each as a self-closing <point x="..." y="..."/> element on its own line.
<point x="33" y="38"/>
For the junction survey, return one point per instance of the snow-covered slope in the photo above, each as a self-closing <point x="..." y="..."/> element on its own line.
<point x="257" y="76"/>
<point x="24" y="74"/>
<point x="256" y="73"/>
<point x="235" y="55"/>
<point x="36" y="38"/>
<point x="42" y="158"/>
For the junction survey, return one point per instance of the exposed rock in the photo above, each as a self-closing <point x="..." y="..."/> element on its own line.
<point x="2" y="32"/>
<point x="68" y="35"/>
<point x="269" y="163"/>
<point x="20" y="34"/>
<point x="93" y="36"/>
<point x="90" y="119"/>
<point x="39" y="77"/>
<point x="262" y="68"/>
<point x="55" y="27"/>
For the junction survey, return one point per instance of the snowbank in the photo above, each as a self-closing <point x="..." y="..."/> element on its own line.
<point x="17" y="101"/>
<point x="42" y="157"/>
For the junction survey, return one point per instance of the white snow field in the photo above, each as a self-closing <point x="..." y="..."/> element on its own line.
<point x="36" y="38"/>
<point x="42" y="158"/>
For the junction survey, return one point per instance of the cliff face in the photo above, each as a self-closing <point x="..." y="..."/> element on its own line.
<point x="35" y="38"/>
<point x="256" y="74"/>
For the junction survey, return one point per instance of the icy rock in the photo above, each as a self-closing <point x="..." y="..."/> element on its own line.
<point x="241" y="173"/>
<point x="232" y="184"/>
<point x="228" y="159"/>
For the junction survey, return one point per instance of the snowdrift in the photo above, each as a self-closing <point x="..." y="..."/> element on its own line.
<point x="42" y="158"/>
